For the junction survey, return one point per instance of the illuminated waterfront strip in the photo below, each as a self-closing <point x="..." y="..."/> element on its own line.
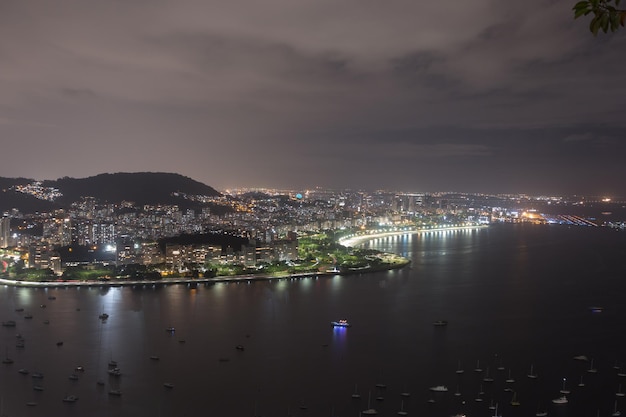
<point x="355" y="240"/>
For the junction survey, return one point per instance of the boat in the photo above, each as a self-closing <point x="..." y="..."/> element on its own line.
<point x="616" y="412"/>
<point x="563" y="390"/>
<point x="514" y="401"/>
<point x="103" y="316"/>
<point x="37" y="387"/>
<point x="581" y="383"/>
<point x="487" y="378"/>
<point x="619" y="392"/>
<point x="154" y="357"/>
<point x="591" y="369"/>
<point x="541" y="413"/>
<point x="401" y="412"/>
<point x="115" y="372"/>
<point x="369" y="411"/>
<point x="510" y="379"/>
<point x="561" y="400"/>
<point x="80" y="368"/>
<point x="439" y="388"/>
<point x="356" y="394"/>
<point x="59" y="343"/>
<point x="31" y="403"/>
<point x="170" y="329"/>
<point x="9" y="323"/>
<point x="37" y="375"/>
<point x="28" y="316"/>
<point x="459" y="370"/>
<point x="478" y="368"/>
<point x="168" y="385"/>
<point x="70" y="399"/>
<point x="340" y="323"/>
<point x="23" y="371"/>
<point x="7" y="360"/>
<point x="581" y="358"/>
<point x="240" y="347"/>
<point x="440" y="323"/>
<point x="73" y="377"/>
<point x="115" y="392"/>
<point x="52" y="297"/>
<point x="531" y="373"/>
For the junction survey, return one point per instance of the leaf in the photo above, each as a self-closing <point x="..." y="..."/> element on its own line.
<point x="622" y="18"/>
<point x="594" y="25"/>
<point x="581" y="5"/>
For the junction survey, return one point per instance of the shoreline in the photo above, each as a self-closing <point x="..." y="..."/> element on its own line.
<point x="234" y="278"/>
<point x="353" y="240"/>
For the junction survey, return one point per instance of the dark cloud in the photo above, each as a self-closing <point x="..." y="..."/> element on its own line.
<point x="483" y="96"/>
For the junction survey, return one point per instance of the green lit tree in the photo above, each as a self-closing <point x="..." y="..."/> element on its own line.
<point x="606" y="14"/>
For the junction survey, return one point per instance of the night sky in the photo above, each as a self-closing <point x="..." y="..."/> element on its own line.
<point x="475" y="96"/>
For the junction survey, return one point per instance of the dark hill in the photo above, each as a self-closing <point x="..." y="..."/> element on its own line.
<point x="140" y="187"/>
<point x="23" y="202"/>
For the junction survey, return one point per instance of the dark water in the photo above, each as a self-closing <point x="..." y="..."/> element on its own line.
<point x="514" y="296"/>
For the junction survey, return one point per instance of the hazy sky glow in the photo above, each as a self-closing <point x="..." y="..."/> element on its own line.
<point x="480" y="95"/>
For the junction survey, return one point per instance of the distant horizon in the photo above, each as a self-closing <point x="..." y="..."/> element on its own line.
<point x="357" y="189"/>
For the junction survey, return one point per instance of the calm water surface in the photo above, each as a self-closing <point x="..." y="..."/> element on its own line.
<point x="514" y="297"/>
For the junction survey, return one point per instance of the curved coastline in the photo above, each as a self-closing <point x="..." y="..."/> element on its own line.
<point x="355" y="240"/>
<point x="348" y="241"/>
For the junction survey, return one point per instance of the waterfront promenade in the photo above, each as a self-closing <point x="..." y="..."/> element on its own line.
<point x="353" y="240"/>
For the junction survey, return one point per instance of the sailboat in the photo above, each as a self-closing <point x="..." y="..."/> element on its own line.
<point x="479" y="398"/>
<point x="495" y="413"/>
<point x="402" y="412"/>
<point x="532" y="374"/>
<point x="619" y="392"/>
<point x="510" y="379"/>
<point x="616" y="413"/>
<point x="591" y="369"/>
<point x="487" y="378"/>
<point x="356" y="394"/>
<point x="581" y="383"/>
<point x="459" y="370"/>
<point x="563" y="390"/>
<point x="6" y="359"/>
<point x="370" y="411"/>
<point x="478" y="368"/>
<point x="514" y="401"/>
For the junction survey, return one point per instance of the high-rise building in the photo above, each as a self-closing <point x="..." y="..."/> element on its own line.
<point x="5" y="231"/>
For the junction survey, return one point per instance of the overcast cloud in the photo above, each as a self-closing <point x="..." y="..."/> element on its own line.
<point x="480" y="95"/>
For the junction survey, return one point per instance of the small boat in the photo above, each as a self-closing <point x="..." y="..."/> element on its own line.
<point x="37" y="375"/>
<point x="487" y="378"/>
<point x="70" y="399"/>
<point x="561" y="400"/>
<point x="37" y="387"/>
<point x="168" y="385"/>
<point x="240" y="347"/>
<point x="115" y="372"/>
<point x="619" y="392"/>
<point x="80" y="368"/>
<point x="52" y="297"/>
<point x="112" y="364"/>
<point x="532" y="374"/>
<point x="31" y="403"/>
<point x="581" y="383"/>
<point x="459" y="370"/>
<point x="340" y="323"/>
<point x="591" y="369"/>
<point x="514" y="401"/>
<point x="440" y="323"/>
<point x="581" y="358"/>
<point x="73" y="377"/>
<point x="59" y="343"/>
<point x="510" y="379"/>
<point x="100" y="382"/>
<point x="154" y="357"/>
<point x="356" y="394"/>
<point x="9" y="323"/>
<point x="19" y="309"/>
<point x="616" y="412"/>
<point x="28" y="316"/>
<point x="563" y="390"/>
<point x="103" y="316"/>
<point x="23" y="371"/>
<point x="478" y="368"/>
<point x="42" y="306"/>
<point x="439" y="388"/>
<point x="115" y="392"/>
<point x="170" y="329"/>
<point x="369" y="411"/>
<point x="46" y="321"/>
<point x="401" y="412"/>
<point x="541" y="413"/>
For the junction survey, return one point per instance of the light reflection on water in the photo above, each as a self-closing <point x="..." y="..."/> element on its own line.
<point x="502" y="305"/>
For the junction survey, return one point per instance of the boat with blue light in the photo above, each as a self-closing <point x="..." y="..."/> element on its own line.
<point x="340" y="323"/>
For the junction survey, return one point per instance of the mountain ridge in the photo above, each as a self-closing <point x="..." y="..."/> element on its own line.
<point x="139" y="187"/>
